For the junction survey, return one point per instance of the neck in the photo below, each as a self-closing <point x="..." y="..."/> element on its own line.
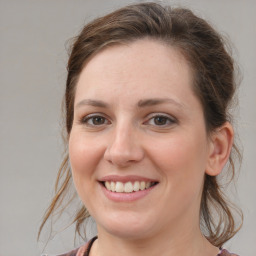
<point x="189" y="242"/>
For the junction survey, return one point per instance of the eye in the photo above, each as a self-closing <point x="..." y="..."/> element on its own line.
<point x="95" y="120"/>
<point x="160" y="120"/>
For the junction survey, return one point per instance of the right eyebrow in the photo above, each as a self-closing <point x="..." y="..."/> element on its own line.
<point x="90" y="102"/>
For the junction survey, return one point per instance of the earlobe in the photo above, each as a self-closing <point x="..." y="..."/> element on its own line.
<point x="221" y="142"/>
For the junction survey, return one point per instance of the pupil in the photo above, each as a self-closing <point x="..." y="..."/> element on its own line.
<point x="160" y="120"/>
<point x="98" y="120"/>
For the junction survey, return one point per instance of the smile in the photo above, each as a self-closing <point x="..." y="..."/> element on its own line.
<point x="128" y="187"/>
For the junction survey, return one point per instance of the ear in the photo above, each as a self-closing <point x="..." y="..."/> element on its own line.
<point x="221" y="142"/>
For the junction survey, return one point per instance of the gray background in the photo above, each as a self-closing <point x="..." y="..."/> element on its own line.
<point x="33" y="36"/>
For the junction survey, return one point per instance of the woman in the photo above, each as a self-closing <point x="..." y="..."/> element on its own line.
<point x="148" y="130"/>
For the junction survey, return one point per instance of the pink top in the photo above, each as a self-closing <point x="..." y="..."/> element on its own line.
<point x="85" y="250"/>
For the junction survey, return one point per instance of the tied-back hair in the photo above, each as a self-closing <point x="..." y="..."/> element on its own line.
<point x="214" y="85"/>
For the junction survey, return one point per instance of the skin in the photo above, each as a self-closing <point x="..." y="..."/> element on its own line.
<point x="128" y="140"/>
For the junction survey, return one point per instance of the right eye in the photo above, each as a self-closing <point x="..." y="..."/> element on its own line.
<point x="95" y="120"/>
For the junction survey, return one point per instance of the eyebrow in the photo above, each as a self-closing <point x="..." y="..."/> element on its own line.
<point x="158" y="101"/>
<point x="140" y="104"/>
<point x="94" y="103"/>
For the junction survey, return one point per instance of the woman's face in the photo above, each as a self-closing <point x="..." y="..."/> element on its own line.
<point x="138" y="146"/>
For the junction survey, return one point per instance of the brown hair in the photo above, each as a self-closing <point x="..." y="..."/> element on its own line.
<point x="214" y="85"/>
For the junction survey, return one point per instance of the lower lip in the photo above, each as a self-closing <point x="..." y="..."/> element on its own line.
<point x="126" y="197"/>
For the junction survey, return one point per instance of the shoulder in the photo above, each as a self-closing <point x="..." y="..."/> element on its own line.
<point x="224" y="252"/>
<point x="77" y="252"/>
<point x="81" y="251"/>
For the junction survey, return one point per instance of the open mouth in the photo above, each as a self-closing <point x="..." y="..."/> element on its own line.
<point x="127" y="187"/>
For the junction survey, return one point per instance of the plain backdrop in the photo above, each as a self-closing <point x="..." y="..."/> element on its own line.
<point x="33" y="56"/>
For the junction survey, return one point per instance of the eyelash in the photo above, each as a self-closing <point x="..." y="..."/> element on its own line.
<point x="85" y="120"/>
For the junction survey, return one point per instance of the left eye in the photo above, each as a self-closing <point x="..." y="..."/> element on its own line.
<point x="160" y="120"/>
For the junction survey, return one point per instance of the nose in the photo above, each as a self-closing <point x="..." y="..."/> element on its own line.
<point x="124" y="148"/>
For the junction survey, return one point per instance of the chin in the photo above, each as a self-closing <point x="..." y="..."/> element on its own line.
<point x="125" y="228"/>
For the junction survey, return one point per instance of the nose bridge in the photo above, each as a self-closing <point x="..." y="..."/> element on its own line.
<point x="121" y="135"/>
<point x="124" y="147"/>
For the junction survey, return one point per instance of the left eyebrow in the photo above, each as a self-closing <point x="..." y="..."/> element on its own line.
<point x="158" y="101"/>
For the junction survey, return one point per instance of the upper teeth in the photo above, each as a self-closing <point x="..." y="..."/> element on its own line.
<point x="127" y="187"/>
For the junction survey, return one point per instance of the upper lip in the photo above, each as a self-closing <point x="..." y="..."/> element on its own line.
<point x="124" y="179"/>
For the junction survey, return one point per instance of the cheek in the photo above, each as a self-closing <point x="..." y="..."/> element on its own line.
<point x="182" y="161"/>
<point x="83" y="152"/>
<point x="84" y="157"/>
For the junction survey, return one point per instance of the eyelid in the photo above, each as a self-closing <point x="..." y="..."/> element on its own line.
<point x="155" y="114"/>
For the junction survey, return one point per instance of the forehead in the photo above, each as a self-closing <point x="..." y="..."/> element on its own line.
<point x="143" y="66"/>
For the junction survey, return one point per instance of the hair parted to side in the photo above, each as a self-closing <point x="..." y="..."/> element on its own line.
<point x="214" y="85"/>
